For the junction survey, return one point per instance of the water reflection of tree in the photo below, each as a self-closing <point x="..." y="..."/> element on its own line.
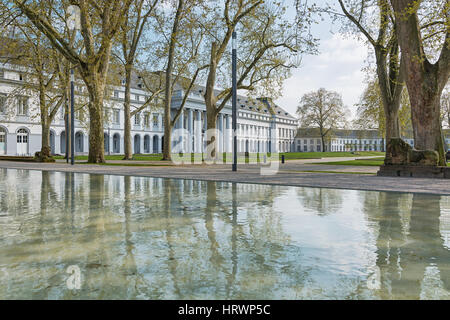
<point x="403" y="253"/>
<point x="138" y="237"/>
<point x="321" y="201"/>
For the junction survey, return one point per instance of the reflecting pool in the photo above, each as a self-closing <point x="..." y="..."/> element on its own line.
<point x="146" y="238"/>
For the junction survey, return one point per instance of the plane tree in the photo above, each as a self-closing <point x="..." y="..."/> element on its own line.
<point x="99" y="24"/>
<point x="423" y="32"/>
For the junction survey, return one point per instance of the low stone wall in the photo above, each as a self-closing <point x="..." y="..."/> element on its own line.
<point x="415" y="171"/>
<point x="17" y="158"/>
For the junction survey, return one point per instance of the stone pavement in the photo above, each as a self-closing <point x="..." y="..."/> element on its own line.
<point x="290" y="174"/>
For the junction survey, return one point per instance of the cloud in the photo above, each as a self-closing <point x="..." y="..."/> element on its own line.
<point x="337" y="67"/>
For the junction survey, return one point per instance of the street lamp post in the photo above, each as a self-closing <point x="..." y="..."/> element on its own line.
<point x="234" y="99"/>
<point x="66" y="122"/>
<point x="73" y="24"/>
<point x="72" y="117"/>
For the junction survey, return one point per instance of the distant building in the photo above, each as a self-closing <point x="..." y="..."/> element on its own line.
<point x="340" y="140"/>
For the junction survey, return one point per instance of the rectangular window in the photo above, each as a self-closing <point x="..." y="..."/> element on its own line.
<point x="147" y="120"/>
<point x="22" y="106"/>
<point x="137" y="119"/>
<point x="155" y="119"/>
<point x="2" y="103"/>
<point x="2" y="74"/>
<point x="116" y="116"/>
<point x="136" y="97"/>
<point x="116" y="94"/>
<point x="79" y="115"/>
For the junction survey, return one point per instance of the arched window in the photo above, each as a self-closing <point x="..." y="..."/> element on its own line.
<point x="79" y="142"/>
<point x="22" y="142"/>
<point x="155" y="144"/>
<point x="137" y="144"/>
<point x="62" y="142"/>
<point x="147" y="144"/>
<point x="116" y="143"/>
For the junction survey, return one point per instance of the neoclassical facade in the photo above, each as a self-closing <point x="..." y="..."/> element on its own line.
<point x="262" y="125"/>
<point x="308" y="140"/>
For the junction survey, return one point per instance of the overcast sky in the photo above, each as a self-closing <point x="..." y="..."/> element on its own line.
<point x="338" y="67"/>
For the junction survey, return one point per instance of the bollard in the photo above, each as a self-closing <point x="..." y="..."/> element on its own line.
<point x="282" y="158"/>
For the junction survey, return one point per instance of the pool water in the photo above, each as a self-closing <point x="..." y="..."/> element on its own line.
<point x="152" y="238"/>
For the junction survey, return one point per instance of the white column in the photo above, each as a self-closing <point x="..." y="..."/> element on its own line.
<point x="150" y="144"/>
<point x="220" y="133"/>
<point x="198" y="131"/>
<point x="191" y="130"/>
<point x="181" y="126"/>
<point x="227" y="134"/>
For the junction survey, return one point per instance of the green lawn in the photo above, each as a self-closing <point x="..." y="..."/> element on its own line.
<point x="319" y="155"/>
<point x="137" y="157"/>
<point x="359" y="162"/>
<point x="288" y="156"/>
<point x="362" y="162"/>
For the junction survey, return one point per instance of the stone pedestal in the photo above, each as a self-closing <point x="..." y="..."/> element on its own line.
<point x="415" y="171"/>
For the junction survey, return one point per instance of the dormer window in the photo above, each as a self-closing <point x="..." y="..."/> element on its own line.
<point x="123" y="82"/>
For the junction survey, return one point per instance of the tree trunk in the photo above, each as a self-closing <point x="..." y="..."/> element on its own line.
<point x="168" y="85"/>
<point x="425" y="81"/>
<point x="96" y="139"/>
<point x="45" y="139"/>
<point x="426" y="122"/>
<point x="127" y="115"/>
<point x="211" y="132"/>
<point x="211" y="111"/>
<point x="167" y="147"/>
<point x="392" y="123"/>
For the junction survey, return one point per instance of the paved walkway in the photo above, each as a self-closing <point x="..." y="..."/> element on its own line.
<point x="290" y="174"/>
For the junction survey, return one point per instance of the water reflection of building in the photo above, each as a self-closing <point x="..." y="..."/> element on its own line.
<point x="138" y="237"/>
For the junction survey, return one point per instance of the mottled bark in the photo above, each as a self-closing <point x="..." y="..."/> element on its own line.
<point x="167" y="149"/>
<point x="127" y="114"/>
<point x="96" y="139"/>
<point x="211" y="133"/>
<point x="210" y="102"/>
<point x="425" y="81"/>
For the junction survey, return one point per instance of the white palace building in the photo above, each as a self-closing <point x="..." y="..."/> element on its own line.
<point x="262" y="125"/>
